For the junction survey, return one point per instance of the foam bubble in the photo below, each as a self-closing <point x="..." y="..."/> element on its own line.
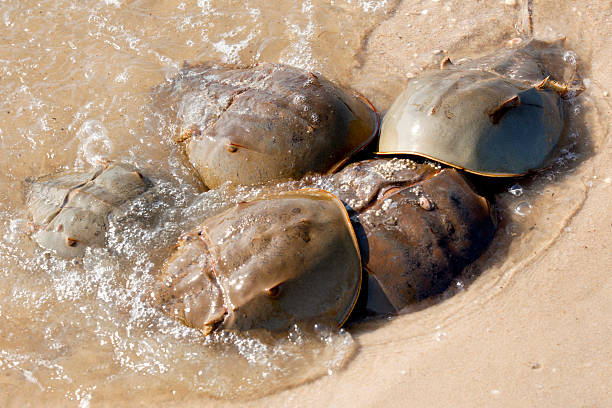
<point x="95" y="146"/>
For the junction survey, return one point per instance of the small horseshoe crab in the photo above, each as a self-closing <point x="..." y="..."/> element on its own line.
<point x="70" y="210"/>
<point x="266" y="122"/>
<point x="418" y="226"/>
<point x="267" y="263"/>
<point x="496" y="116"/>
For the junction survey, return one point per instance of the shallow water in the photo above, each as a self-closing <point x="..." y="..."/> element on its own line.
<point x="77" y="88"/>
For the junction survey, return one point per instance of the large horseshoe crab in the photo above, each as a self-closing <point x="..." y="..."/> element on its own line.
<point x="266" y="122"/>
<point x="268" y="263"/>
<point x="418" y="227"/>
<point x="70" y="210"/>
<point x="496" y="116"/>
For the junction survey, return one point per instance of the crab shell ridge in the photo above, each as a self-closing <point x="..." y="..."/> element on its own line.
<point x="268" y="122"/>
<point x="267" y="263"/>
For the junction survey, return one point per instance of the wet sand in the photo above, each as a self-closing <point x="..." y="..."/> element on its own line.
<point x="543" y="337"/>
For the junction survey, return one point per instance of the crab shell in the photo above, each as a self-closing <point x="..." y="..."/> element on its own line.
<point x="498" y="116"/>
<point x="267" y="122"/>
<point x="418" y="227"/>
<point x="70" y="210"/>
<point x="267" y="263"/>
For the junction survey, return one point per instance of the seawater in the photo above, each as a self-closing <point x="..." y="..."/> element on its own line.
<point x="78" y="87"/>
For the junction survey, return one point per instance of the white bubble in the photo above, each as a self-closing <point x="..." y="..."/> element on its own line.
<point x="122" y="77"/>
<point x="516" y="190"/>
<point x="570" y="57"/>
<point x="95" y="144"/>
<point x="523" y="209"/>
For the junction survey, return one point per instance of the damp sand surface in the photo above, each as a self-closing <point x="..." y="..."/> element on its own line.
<point x="527" y="324"/>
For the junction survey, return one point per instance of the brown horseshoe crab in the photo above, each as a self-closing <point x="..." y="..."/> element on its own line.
<point x="497" y="116"/>
<point x="418" y="227"/>
<point x="70" y="210"/>
<point x="266" y="122"/>
<point x="267" y="263"/>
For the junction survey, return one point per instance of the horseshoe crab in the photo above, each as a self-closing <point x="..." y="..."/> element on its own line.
<point x="418" y="226"/>
<point x="267" y="263"/>
<point x="70" y="210"/>
<point x="497" y="116"/>
<point x="266" y="122"/>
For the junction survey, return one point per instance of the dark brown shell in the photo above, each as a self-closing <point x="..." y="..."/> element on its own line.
<point x="418" y="227"/>
<point x="267" y="122"/>
<point x="267" y="263"/>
